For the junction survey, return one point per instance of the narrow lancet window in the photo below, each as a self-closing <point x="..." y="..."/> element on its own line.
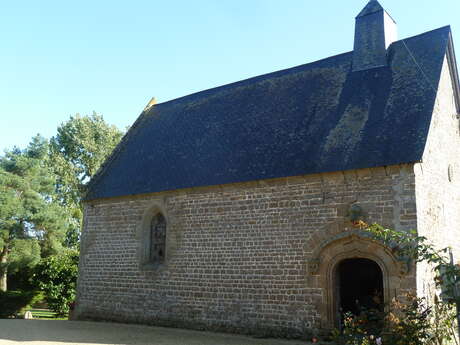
<point x="158" y="239"/>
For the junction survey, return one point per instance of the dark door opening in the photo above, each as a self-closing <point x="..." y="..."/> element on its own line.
<point x="359" y="286"/>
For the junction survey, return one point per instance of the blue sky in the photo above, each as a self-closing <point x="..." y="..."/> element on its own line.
<point x="60" y="58"/>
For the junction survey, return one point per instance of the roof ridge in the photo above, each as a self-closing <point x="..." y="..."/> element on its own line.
<point x="254" y="78"/>
<point x="267" y="75"/>
<point x="445" y="27"/>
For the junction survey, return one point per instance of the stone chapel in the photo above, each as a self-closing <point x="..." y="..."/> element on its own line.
<point x="232" y="208"/>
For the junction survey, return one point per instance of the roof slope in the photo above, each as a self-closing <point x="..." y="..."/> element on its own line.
<point x="318" y="117"/>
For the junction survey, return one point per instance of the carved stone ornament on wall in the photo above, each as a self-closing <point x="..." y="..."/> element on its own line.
<point x="404" y="265"/>
<point x="355" y="236"/>
<point x="355" y="213"/>
<point x="313" y="265"/>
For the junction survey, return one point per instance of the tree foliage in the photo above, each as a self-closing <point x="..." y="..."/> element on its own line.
<point x="41" y="188"/>
<point x="77" y="151"/>
<point x="14" y="302"/>
<point x="24" y="254"/>
<point x="29" y="216"/>
<point x="57" y="277"/>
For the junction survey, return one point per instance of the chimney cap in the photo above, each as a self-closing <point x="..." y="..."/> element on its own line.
<point x="371" y="7"/>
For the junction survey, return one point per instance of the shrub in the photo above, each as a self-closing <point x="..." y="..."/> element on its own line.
<point x="409" y="323"/>
<point x="414" y="321"/>
<point x="361" y="329"/>
<point x="56" y="276"/>
<point x="14" y="302"/>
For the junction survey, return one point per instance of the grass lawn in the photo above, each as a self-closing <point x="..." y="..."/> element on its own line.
<point x="45" y="314"/>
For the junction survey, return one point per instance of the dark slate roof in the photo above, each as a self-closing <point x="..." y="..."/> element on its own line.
<point x="318" y="117"/>
<point x="371" y="7"/>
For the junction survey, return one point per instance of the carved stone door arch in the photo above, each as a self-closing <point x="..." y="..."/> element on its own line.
<point x="351" y="245"/>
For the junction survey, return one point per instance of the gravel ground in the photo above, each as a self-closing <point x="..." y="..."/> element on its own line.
<point x="92" y="333"/>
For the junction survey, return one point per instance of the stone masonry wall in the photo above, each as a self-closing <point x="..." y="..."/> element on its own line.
<point x="438" y="180"/>
<point x="236" y="254"/>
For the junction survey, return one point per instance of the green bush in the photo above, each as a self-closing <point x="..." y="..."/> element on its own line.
<point x="56" y="276"/>
<point x="412" y="320"/>
<point x="12" y="303"/>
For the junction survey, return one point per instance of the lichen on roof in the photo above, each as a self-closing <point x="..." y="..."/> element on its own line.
<point x="313" y="118"/>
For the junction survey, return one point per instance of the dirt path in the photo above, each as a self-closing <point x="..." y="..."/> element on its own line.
<point x="98" y="333"/>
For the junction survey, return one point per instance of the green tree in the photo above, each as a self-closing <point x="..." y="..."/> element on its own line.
<point x="77" y="151"/>
<point x="29" y="217"/>
<point x="57" y="277"/>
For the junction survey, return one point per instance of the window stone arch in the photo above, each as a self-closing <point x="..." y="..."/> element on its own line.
<point x="157" y="239"/>
<point x="154" y="237"/>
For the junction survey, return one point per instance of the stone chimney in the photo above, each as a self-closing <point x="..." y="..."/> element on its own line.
<point x="375" y="30"/>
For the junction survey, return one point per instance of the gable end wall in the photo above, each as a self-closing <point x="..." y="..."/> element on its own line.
<point x="438" y="198"/>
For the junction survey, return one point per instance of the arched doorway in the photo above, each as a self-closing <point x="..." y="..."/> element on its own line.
<point x="359" y="286"/>
<point x="362" y="254"/>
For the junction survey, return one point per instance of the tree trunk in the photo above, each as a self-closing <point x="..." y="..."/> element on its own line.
<point x="3" y="267"/>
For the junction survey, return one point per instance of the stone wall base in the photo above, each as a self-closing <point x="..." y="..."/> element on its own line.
<point x="245" y="327"/>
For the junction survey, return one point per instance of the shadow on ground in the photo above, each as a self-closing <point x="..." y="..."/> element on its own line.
<point x="80" y="332"/>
